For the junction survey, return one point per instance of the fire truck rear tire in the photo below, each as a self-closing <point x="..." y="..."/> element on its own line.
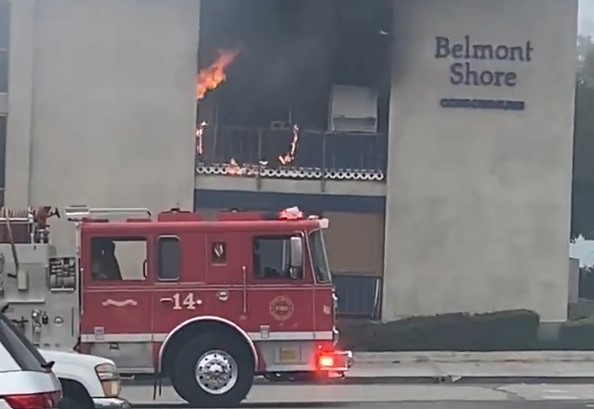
<point x="198" y="350"/>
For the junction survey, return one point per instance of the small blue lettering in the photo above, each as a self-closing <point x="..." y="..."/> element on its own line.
<point x="506" y="105"/>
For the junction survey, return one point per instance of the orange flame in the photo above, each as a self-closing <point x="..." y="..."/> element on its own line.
<point x="199" y="134"/>
<point x="214" y="75"/>
<point x="234" y="169"/>
<point x="289" y="157"/>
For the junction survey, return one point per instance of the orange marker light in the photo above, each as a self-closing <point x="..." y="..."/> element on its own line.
<point x="326" y="361"/>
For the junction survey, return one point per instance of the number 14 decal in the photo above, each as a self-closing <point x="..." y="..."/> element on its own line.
<point x="188" y="302"/>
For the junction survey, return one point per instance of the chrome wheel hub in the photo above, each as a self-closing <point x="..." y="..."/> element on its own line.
<point x="216" y="372"/>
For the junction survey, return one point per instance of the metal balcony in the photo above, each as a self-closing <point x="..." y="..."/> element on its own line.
<point x="260" y="153"/>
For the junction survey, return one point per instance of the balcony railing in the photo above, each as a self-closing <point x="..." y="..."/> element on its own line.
<point x="252" y="152"/>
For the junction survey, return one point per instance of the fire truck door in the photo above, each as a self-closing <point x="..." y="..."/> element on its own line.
<point x="179" y="275"/>
<point x="116" y="300"/>
<point x="280" y="297"/>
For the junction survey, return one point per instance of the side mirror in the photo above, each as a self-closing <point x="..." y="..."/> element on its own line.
<point x="296" y="253"/>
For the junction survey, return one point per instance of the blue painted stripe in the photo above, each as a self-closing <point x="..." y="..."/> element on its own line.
<point x="273" y="201"/>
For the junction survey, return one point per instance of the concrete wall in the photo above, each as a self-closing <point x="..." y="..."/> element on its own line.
<point x="102" y="103"/>
<point x="478" y="202"/>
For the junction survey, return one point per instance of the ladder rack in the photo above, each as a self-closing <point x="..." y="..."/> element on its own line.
<point x="14" y="216"/>
<point x="77" y="213"/>
<point x="18" y="226"/>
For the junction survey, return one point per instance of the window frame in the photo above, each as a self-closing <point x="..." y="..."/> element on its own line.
<point x="286" y="237"/>
<point x="146" y="239"/>
<point x="159" y="258"/>
<point x="311" y="250"/>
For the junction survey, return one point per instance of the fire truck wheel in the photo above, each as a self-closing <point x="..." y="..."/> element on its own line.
<point x="213" y="370"/>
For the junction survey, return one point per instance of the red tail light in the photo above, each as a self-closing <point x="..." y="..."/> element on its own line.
<point x="326" y="361"/>
<point x="33" y="401"/>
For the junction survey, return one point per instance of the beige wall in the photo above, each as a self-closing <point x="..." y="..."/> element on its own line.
<point x="102" y="103"/>
<point x="478" y="201"/>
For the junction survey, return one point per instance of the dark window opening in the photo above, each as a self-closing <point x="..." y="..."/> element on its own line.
<point x="272" y="258"/>
<point x="291" y="53"/>
<point x="169" y="256"/>
<point x="358" y="295"/>
<point x="290" y="62"/>
<point x="118" y="259"/>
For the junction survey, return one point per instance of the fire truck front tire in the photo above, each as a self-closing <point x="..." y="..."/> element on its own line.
<point x="213" y="370"/>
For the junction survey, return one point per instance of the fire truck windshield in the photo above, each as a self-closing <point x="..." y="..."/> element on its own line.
<point x="319" y="257"/>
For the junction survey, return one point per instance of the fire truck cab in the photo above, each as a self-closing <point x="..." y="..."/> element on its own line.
<point x="209" y="304"/>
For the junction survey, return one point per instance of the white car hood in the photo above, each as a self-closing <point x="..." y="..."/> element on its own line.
<point x="74" y="358"/>
<point x="70" y="365"/>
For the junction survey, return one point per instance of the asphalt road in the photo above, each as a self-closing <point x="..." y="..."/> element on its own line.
<point x="419" y="405"/>
<point x="440" y="396"/>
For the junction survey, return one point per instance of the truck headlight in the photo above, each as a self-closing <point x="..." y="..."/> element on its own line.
<point x="109" y="377"/>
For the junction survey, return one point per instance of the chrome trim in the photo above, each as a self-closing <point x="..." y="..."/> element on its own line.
<point x="111" y="403"/>
<point x="253" y="336"/>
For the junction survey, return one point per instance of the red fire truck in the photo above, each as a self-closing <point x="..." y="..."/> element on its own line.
<point x="209" y="304"/>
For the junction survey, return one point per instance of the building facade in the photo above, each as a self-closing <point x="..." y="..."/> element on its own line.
<point x="462" y="202"/>
<point x="101" y="104"/>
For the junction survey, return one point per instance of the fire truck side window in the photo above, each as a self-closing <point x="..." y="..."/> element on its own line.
<point x="117" y="259"/>
<point x="272" y="255"/>
<point x="169" y="258"/>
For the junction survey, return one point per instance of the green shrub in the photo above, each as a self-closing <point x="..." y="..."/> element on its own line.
<point x="502" y="330"/>
<point x="577" y="335"/>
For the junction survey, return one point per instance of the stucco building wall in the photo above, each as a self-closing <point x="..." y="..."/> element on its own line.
<point x="478" y="200"/>
<point x="102" y="103"/>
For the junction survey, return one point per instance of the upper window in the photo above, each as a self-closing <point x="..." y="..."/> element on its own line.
<point x="169" y="258"/>
<point x="116" y="259"/>
<point x="272" y="258"/>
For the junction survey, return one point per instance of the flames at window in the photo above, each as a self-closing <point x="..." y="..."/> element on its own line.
<point x="209" y="79"/>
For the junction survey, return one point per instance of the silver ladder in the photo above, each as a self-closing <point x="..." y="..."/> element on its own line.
<point x="77" y="213"/>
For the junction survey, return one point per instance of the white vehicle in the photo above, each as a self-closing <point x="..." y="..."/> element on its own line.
<point x="88" y="381"/>
<point x="26" y="378"/>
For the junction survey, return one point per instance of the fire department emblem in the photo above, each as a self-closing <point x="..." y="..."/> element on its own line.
<point x="219" y="255"/>
<point x="281" y="308"/>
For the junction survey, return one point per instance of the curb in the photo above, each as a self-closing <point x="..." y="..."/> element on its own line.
<point x="271" y="405"/>
<point x="437" y="379"/>
<point x="473" y="357"/>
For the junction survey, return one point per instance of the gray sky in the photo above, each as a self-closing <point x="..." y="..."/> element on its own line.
<point x="586" y="19"/>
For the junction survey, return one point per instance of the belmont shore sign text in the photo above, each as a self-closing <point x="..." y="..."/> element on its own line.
<point x="465" y="53"/>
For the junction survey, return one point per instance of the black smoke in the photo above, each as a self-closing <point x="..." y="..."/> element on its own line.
<point x="291" y="52"/>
